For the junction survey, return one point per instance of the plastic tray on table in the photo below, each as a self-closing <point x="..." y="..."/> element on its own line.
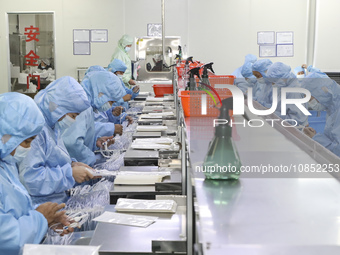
<point x="161" y="89"/>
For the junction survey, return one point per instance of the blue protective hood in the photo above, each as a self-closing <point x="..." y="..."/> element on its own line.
<point x="95" y="68"/>
<point x="20" y="118"/>
<point x="64" y="95"/>
<point x="117" y="65"/>
<point x="247" y="71"/>
<point x="262" y="66"/>
<point x="299" y="69"/>
<point x="102" y="87"/>
<point x="250" y="58"/>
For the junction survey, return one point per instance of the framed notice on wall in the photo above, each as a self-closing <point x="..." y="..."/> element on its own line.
<point x="284" y="37"/>
<point x="266" y="37"/>
<point x="81" y="48"/>
<point x="99" y="35"/>
<point x="81" y="35"/>
<point x="267" y="51"/>
<point x="285" y="50"/>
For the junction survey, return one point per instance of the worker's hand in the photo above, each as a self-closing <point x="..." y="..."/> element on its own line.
<point x="118" y="129"/>
<point x="129" y="119"/>
<point x="127" y="97"/>
<point x="132" y="82"/>
<point x="309" y="132"/>
<point x="135" y="89"/>
<point x="103" y="139"/>
<point x="79" y="164"/>
<point x="117" y="111"/>
<point x="60" y="229"/>
<point x="304" y="66"/>
<point x="52" y="214"/>
<point x="81" y="174"/>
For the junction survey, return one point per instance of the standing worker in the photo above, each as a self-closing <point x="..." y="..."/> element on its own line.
<point x="122" y="52"/>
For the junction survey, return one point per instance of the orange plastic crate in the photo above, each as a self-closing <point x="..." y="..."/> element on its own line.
<point x="161" y="89"/>
<point x="221" y="79"/>
<point x="180" y="68"/>
<point x="191" y="102"/>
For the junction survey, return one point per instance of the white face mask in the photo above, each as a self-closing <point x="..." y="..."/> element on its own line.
<point x="21" y="153"/>
<point x="105" y="107"/>
<point x="300" y="76"/>
<point x="127" y="49"/>
<point x="316" y="106"/>
<point x="65" y="123"/>
<point x="120" y="76"/>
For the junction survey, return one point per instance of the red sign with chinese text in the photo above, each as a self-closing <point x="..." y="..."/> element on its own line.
<point x="32" y="33"/>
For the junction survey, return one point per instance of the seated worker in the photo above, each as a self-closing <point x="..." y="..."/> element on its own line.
<point x="103" y="89"/>
<point x="73" y="118"/>
<point x="281" y="76"/>
<point x="326" y="96"/>
<point x="300" y="71"/>
<point x="118" y="68"/>
<point x="249" y="79"/>
<point x="21" y="121"/>
<point x="262" y="89"/>
<point x="48" y="170"/>
<point x="44" y="64"/>
<point x="248" y="58"/>
<point x="90" y="71"/>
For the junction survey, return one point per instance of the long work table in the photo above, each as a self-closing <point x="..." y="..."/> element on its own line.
<point x="264" y="213"/>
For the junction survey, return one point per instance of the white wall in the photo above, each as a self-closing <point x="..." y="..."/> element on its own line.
<point x="224" y="31"/>
<point x="327" y="48"/>
<point x="69" y="15"/>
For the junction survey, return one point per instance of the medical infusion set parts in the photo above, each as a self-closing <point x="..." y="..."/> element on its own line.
<point x="205" y="77"/>
<point x="222" y="160"/>
<point x="192" y="86"/>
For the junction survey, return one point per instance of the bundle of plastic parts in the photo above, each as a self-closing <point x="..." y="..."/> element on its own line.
<point x="129" y="128"/>
<point x="122" y="142"/>
<point x="136" y="109"/>
<point x="86" y="203"/>
<point x="53" y="237"/>
<point x="89" y="200"/>
<point x="113" y="163"/>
